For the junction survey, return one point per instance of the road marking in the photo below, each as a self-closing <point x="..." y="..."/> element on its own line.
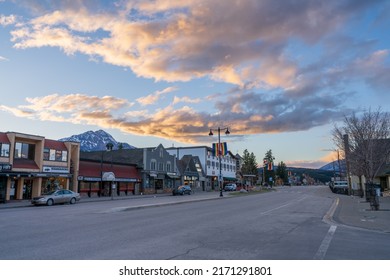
<point x="325" y="243"/>
<point x="282" y="206"/>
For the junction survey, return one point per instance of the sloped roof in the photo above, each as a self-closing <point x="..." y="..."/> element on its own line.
<point x="56" y="145"/>
<point x="3" y="138"/>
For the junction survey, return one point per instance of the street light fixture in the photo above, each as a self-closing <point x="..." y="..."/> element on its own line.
<point x="227" y="132"/>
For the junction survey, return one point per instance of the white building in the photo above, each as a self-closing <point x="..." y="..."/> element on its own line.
<point x="210" y="164"/>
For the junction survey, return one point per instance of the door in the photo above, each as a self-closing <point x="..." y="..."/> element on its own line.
<point x="3" y="188"/>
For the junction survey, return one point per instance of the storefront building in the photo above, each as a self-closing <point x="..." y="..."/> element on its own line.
<point x="107" y="179"/>
<point x="157" y="168"/>
<point x="31" y="165"/>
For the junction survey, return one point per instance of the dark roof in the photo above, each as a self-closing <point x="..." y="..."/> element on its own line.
<point x="124" y="156"/>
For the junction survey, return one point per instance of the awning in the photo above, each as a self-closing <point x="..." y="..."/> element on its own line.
<point x="173" y="176"/>
<point x="230" y="178"/>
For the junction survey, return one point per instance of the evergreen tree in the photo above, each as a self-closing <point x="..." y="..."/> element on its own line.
<point x="268" y="168"/>
<point x="281" y="172"/>
<point x="249" y="166"/>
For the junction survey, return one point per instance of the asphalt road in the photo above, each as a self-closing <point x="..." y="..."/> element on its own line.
<point x="286" y="224"/>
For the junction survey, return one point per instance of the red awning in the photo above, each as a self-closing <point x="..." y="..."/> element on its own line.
<point x="25" y="164"/>
<point x="94" y="169"/>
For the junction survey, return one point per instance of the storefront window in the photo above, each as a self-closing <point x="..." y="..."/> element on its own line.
<point x="52" y="184"/>
<point x="4" y="148"/>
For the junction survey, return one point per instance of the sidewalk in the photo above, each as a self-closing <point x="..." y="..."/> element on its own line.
<point x="356" y="212"/>
<point x="139" y="200"/>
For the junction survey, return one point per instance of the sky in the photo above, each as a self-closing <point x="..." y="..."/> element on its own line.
<point x="279" y="74"/>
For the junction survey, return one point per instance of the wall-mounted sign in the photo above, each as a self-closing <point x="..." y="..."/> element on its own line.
<point x="5" y="167"/>
<point x="55" y="169"/>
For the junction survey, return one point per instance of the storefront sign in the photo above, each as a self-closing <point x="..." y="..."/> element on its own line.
<point x="108" y="176"/>
<point x="89" y="179"/>
<point x="5" y="167"/>
<point x="55" y="169"/>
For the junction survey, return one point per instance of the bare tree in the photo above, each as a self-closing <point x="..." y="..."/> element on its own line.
<point x="365" y="142"/>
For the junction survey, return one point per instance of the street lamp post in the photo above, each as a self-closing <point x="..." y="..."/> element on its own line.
<point x="109" y="147"/>
<point x="227" y="132"/>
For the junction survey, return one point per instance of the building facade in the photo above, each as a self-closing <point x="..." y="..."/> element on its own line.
<point x="31" y="165"/>
<point x="210" y="164"/>
<point x="156" y="167"/>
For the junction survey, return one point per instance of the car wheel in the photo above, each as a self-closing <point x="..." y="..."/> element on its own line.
<point x="50" y="202"/>
<point x="72" y="201"/>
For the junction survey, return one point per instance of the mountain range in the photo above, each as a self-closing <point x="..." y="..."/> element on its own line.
<point x="96" y="141"/>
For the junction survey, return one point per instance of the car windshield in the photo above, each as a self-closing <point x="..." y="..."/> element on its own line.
<point x="49" y="193"/>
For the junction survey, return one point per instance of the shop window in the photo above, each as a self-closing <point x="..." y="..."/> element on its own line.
<point x="4" y="148"/>
<point x="24" y="151"/>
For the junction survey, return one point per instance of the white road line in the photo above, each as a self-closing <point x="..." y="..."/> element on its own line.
<point x="325" y="243"/>
<point x="282" y="206"/>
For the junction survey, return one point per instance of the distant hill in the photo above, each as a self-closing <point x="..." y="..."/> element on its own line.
<point x="96" y="141"/>
<point x="323" y="176"/>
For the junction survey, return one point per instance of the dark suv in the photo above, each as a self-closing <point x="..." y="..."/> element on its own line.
<point x="185" y="189"/>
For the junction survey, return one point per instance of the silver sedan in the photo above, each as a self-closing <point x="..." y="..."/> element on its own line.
<point x="56" y="197"/>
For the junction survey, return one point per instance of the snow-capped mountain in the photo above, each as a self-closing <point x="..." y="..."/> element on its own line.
<point x="335" y="166"/>
<point x="96" y="141"/>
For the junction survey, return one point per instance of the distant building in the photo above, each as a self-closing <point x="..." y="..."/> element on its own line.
<point x="210" y="164"/>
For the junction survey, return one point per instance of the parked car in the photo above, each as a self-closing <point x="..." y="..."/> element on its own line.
<point x="230" y="187"/>
<point x="338" y="186"/>
<point x="184" y="189"/>
<point x="56" y="197"/>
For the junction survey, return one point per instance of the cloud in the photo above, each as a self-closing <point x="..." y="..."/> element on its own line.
<point x="272" y="88"/>
<point x="2" y="58"/>
<point x="171" y="41"/>
<point x="154" y="97"/>
<point x="245" y="113"/>
<point x="186" y="99"/>
<point x="7" y="20"/>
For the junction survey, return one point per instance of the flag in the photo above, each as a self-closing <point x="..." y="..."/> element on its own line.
<point x="265" y="162"/>
<point x="270" y="166"/>
<point x="219" y="149"/>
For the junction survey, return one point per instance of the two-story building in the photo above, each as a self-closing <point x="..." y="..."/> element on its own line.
<point x="210" y="164"/>
<point x="31" y="165"/>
